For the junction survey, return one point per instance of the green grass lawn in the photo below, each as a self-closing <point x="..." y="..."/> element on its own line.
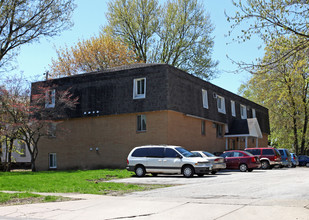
<point x="90" y="182"/>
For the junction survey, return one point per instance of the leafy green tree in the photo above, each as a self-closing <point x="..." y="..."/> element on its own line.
<point x="283" y="88"/>
<point x="179" y="33"/>
<point x="271" y="20"/>
<point x="25" y="21"/>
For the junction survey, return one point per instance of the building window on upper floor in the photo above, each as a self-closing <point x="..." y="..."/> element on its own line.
<point x="50" y="98"/>
<point x="219" y="130"/>
<point x="203" y="128"/>
<point x="139" y="88"/>
<point x="253" y="113"/>
<point x="233" y="109"/>
<point x="243" y="112"/>
<point x="221" y="104"/>
<point x="52" y="159"/>
<point x="141" y="123"/>
<point x="205" y="98"/>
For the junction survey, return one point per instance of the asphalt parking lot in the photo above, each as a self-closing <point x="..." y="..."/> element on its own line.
<point x="262" y="194"/>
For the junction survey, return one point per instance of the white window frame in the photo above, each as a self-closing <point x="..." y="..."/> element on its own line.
<point x="233" y="108"/>
<point x="139" y="94"/>
<point x="50" y="98"/>
<point x="52" y="164"/>
<point x="243" y="112"/>
<point x="140" y="126"/>
<point x="253" y="113"/>
<point x="205" y="98"/>
<point x="221" y="108"/>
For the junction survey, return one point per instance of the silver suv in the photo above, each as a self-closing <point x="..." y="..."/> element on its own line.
<point x="166" y="159"/>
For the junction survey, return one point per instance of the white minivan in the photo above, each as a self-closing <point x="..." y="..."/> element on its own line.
<point x="165" y="159"/>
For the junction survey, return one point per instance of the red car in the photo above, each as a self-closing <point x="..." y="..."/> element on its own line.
<point x="269" y="157"/>
<point x="242" y="160"/>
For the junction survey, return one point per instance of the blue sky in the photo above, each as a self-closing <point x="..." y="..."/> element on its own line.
<point x="34" y="59"/>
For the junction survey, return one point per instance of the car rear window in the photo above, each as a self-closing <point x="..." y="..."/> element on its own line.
<point x="268" y="152"/>
<point x="281" y="152"/>
<point x="208" y="154"/>
<point x="140" y="152"/>
<point x="254" y="151"/>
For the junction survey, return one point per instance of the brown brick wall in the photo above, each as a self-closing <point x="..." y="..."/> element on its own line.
<point x="186" y="131"/>
<point x="116" y="135"/>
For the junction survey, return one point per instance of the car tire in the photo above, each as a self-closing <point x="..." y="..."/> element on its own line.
<point x="265" y="165"/>
<point x="307" y="164"/>
<point x="140" y="171"/>
<point x="243" y="167"/>
<point x="213" y="172"/>
<point x="188" y="171"/>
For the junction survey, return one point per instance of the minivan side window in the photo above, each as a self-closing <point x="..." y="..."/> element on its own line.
<point x="268" y="152"/>
<point x="171" y="153"/>
<point x="140" y="152"/>
<point x="156" y="152"/>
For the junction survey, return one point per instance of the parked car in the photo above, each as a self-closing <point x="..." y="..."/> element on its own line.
<point x="269" y="157"/>
<point x="217" y="162"/>
<point x="294" y="160"/>
<point x="157" y="159"/>
<point x="303" y="160"/>
<point x="242" y="160"/>
<point x="285" y="157"/>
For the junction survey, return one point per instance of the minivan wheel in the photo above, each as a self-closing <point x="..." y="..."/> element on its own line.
<point x="140" y="171"/>
<point x="188" y="171"/>
<point x="265" y="165"/>
<point x="213" y="172"/>
<point x="243" y="167"/>
<point x="307" y="164"/>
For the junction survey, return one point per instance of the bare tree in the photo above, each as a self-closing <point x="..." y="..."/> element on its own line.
<point x="25" y="21"/>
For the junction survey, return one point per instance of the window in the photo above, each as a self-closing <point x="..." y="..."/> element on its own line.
<point x="50" y="98"/>
<point x="205" y="98"/>
<point x="203" y="127"/>
<point x="243" y="112"/>
<point x="140" y="152"/>
<point x="253" y="113"/>
<point x="221" y="104"/>
<point x="268" y="152"/>
<point x="156" y="152"/>
<point x="171" y="153"/>
<point x="233" y="109"/>
<point x="139" y="88"/>
<point x="219" y="130"/>
<point x="52" y="160"/>
<point x="141" y="123"/>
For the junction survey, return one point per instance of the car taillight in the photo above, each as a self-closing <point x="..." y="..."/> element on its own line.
<point x="127" y="162"/>
<point x="253" y="159"/>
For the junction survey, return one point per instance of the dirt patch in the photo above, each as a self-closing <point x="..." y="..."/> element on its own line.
<point x="32" y="200"/>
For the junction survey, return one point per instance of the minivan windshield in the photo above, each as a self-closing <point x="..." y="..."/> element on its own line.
<point x="185" y="152"/>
